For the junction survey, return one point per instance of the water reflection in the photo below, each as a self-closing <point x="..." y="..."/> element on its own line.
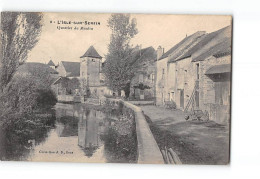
<point x="73" y="134"/>
<point x="91" y="125"/>
<point x="18" y="137"/>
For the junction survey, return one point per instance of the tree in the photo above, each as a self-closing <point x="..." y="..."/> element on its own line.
<point x="119" y="69"/>
<point x="19" y="34"/>
<point x="73" y="84"/>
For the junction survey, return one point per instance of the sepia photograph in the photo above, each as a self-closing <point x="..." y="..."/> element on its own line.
<point x="115" y="88"/>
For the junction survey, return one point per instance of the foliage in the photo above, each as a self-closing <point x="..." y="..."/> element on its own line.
<point x="20" y="95"/>
<point x="19" y="34"/>
<point x="120" y="138"/>
<point x="119" y="69"/>
<point x="19" y="129"/>
<point x="24" y="94"/>
<point x="141" y="86"/>
<point x="70" y="84"/>
<point x="170" y="104"/>
<point x="42" y="76"/>
<point x="45" y="98"/>
<point x="73" y="84"/>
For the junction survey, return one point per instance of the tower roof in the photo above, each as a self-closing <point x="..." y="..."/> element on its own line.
<point x="50" y="63"/>
<point x="91" y="52"/>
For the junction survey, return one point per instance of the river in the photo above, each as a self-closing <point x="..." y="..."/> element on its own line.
<point x="80" y="134"/>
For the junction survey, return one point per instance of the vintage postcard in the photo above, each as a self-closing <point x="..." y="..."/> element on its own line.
<point x="115" y="88"/>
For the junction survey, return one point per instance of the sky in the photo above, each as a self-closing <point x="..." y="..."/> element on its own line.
<point x="153" y="30"/>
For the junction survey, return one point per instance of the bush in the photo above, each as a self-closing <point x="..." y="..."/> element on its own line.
<point x="45" y="98"/>
<point x="25" y="94"/>
<point x="170" y="104"/>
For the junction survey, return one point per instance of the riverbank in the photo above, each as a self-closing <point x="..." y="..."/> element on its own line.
<point x="22" y="130"/>
<point x="194" y="142"/>
<point x="148" y="150"/>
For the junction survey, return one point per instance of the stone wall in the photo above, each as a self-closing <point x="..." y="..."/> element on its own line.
<point x="90" y="70"/>
<point x="161" y="81"/>
<point x="207" y="88"/>
<point x="148" y="150"/>
<point x="218" y="113"/>
<point x="182" y="75"/>
<point x="185" y="80"/>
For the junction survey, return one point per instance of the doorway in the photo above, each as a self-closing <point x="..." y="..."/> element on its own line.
<point x="197" y="98"/>
<point x="182" y="98"/>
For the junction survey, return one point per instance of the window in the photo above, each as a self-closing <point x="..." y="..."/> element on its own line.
<point x="82" y="73"/>
<point x="93" y="60"/>
<point x="172" y="96"/>
<point x="198" y="68"/>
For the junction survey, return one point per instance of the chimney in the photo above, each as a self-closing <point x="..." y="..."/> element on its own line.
<point x="160" y="52"/>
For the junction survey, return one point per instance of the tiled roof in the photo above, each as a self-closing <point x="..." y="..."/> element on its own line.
<point x="50" y="63"/>
<point x="91" y="52"/>
<point x="143" y="54"/>
<point x="72" y="68"/>
<point x="214" y="43"/>
<point x="178" y="54"/>
<point x="181" y="45"/>
<point x="217" y="69"/>
<point x="30" y="67"/>
<point x="222" y="54"/>
<point x="207" y="45"/>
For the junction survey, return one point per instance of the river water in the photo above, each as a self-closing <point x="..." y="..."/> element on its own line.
<point x="80" y="134"/>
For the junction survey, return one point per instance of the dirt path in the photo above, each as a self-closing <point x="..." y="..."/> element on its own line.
<point x="195" y="142"/>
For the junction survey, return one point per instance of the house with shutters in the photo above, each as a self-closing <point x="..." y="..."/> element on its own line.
<point x="142" y="86"/>
<point x="196" y="74"/>
<point x="68" y="81"/>
<point x="165" y="76"/>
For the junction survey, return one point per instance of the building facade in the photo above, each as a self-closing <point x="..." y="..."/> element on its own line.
<point x="142" y="86"/>
<point x="196" y="74"/>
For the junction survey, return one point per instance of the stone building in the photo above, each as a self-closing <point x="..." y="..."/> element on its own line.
<point x="165" y="72"/>
<point x="69" y="72"/>
<point x="197" y="74"/>
<point x="69" y="69"/>
<point x="91" y="76"/>
<point x="142" y="85"/>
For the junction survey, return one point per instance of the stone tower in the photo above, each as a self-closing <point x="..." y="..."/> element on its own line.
<point x="90" y="67"/>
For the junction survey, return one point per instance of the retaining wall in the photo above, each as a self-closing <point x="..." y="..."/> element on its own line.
<point x="148" y="150"/>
